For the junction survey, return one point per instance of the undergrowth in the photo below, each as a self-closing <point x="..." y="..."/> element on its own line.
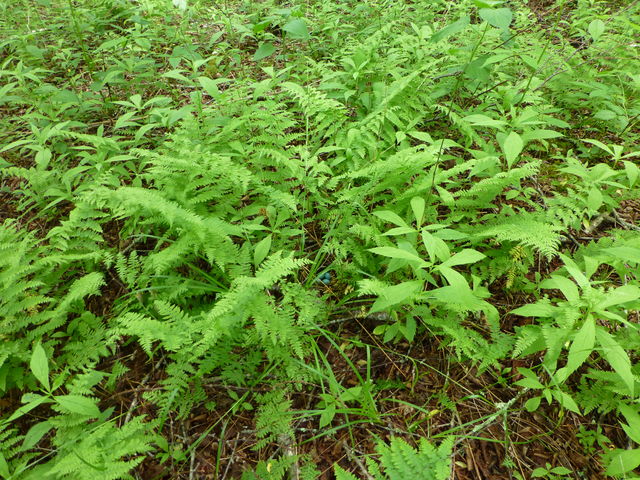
<point x="229" y="190"/>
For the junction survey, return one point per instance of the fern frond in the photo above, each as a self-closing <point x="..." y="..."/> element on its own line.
<point x="525" y="229"/>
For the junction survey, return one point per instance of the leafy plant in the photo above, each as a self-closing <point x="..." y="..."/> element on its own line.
<point x="283" y="219"/>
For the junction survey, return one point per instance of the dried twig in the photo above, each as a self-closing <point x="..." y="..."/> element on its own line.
<point x="136" y="397"/>
<point x="624" y="223"/>
<point x="192" y="465"/>
<point x="287" y="443"/>
<point x="357" y="461"/>
<point x="230" y="461"/>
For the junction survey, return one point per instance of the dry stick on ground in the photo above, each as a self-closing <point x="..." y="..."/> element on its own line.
<point x="192" y="465"/>
<point x="230" y="461"/>
<point x="490" y="419"/>
<point x="624" y="223"/>
<point x="470" y="458"/>
<point x="136" y="397"/>
<point x="596" y="223"/>
<point x="287" y="444"/>
<point x="357" y="461"/>
<point x="613" y="218"/>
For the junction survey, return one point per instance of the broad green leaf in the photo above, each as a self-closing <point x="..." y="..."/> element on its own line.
<point x="632" y="172"/>
<point x="533" y="403"/>
<point x="390" y="217"/>
<point x="417" y="205"/>
<point x="483" y="121"/>
<point x="261" y="250"/>
<point x="264" y="50"/>
<point x="623" y="294"/>
<point x="555" y="339"/>
<point x="4" y="467"/>
<point x="535" y="310"/>
<point x="512" y="147"/>
<point x="605" y="114"/>
<point x="596" y="29"/>
<point x="40" y="365"/>
<point x="399" y="231"/>
<point x="352" y="394"/>
<point x="395" y="295"/>
<point x="528" y="373"/>
<point x="599" y="144"/>
<point x="124" y="121"/>
<point x="410" y="328"/>
<point x="591" y="265"/>
<point x="464" y="257"/>
<point x="623" y="461"/>
<point x="628" y="254"/>
<point x="566" y="286"/>
<point x="457" y="298"/>
<point x="451" y="29"/>
<point x="529" y="383"/>
<point x="594" y="200"/>
<point x="497" y="17"/>
<point x="540" y="135"/>
<point x="78" y="404"/>
<point x="580" y="349"/>
<point x="326" y="417"/>
<point x="422" y="136"/>
<point x="566" y="401"/>
<point x="35" y="434"/>
<point x="497" y="58"/>
<point x="393" y="252"/>
<point x="390" y="332"/>
<point x="575" y="271"/>
<point x="297" y="28"/>
<point x="435" y="246"/>
<point x="32" y="401"/>
<point x="487" y="3"/>
<point x="136" y="100"/>
<point x="617" y="357"/>
<point x="455" y="278"/>
<point x="633" y="419"/>
<point x="539" y="472"/>
<point x="176" y="75"/>
<point x="447" y="198"/>
<point x="210" y="86"/>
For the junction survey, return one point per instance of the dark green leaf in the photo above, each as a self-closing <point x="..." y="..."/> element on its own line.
<point x="35" y="434"/>
<point x="40" y="365"/>
<point x="451" y="29"/>
<point x="616" y="356"/>
<point x="497" y="17"/>
<point x="264" y="50"/>
<point x="78" y="404"/>
<point x="623" y="461"/>
<point x="297" y="28"/>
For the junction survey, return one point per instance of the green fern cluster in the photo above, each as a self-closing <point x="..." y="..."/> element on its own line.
<point x="400" y="461"/>
<point x="212" y="207"/>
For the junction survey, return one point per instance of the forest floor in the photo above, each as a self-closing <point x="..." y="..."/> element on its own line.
<point x="304" y="179"/>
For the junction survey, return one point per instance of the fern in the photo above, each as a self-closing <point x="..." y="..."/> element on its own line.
<point x="400" y="461"/>
<point x="28" y="311"/>
<point x="524" y="229"/>
<point x="273" y="420"/>
<point x="12" y="455"/>
<point x="327" y="116"/>
<point x="103" y="452"/>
